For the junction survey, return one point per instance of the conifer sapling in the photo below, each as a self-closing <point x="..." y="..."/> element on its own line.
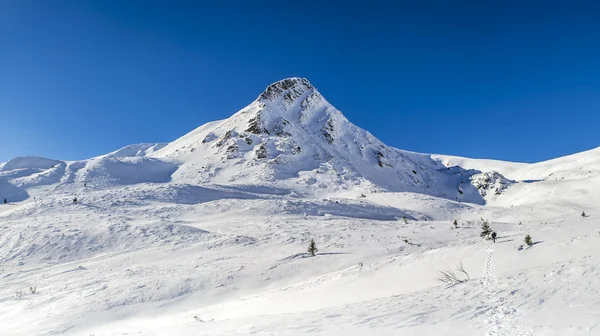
<point x="486" y="230"/>
<point x="312" y="248"/>
<point x="528" y="240"/>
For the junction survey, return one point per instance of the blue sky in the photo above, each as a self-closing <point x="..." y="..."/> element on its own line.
<point x="510" y="80"/>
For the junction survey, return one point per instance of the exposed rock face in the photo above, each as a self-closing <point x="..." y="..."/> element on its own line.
<point x="261" y="152"/>
<point x="490" y="182"/>
<point x="255" y="126"/>
<point x="289" y="89"/>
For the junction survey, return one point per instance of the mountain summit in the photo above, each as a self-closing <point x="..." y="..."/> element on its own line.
<point x="289" y="88"/>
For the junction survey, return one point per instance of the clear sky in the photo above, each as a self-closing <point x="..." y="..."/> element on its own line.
<point x="511" y="80"/>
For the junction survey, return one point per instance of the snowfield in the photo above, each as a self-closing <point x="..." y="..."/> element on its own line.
<point x="208" y="235"/>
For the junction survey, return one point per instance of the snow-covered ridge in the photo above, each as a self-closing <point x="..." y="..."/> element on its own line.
<point x="575" y="166"/>
<point x="137" y="150"/>
<point x="29" y="162"/>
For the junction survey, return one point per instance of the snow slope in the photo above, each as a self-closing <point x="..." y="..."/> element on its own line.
<point x="507" y="168"/>
<point x="577" y="166"/>
<point x="207" y="235"/>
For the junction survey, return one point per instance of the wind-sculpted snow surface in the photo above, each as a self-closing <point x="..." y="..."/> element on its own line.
<point x="11" y="192"/>
<point x="126" y="171"/>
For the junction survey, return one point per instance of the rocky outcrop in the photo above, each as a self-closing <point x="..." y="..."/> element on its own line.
<point x="488" y="183"/>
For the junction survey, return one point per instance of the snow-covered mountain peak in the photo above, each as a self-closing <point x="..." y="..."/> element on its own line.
<point x="288" y="103"/>
<point x="292" y="137"/>
<point x="289" y="109"/>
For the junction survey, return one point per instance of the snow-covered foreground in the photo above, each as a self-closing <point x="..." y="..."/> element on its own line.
<point x="208" y="235"/>
<point x="131" y="261"/>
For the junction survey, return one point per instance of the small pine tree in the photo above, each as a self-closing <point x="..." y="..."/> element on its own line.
<point x="455" y="224"/>
<point x="486" y="230"/>
<point x="312" y="248"/>
<point x="583" y="214"/>
<point x="528" y="240"/>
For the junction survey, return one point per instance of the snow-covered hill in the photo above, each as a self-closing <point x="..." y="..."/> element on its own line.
<point x="207" y="235"/>
<point x="577" y="166"/>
